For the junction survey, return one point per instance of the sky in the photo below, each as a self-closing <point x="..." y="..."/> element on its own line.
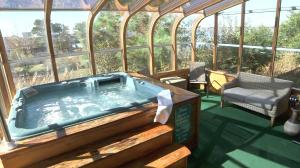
<point x="257" y="19"/>
<point x="12" y="22"/>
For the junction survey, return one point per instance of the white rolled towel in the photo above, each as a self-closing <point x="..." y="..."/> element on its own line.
<point x="165" y="105"/>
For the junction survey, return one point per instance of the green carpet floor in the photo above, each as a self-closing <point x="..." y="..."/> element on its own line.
<point x="235" y="137"/>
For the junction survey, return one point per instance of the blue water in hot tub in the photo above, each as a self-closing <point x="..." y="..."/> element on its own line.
<point x="50" y="107"/>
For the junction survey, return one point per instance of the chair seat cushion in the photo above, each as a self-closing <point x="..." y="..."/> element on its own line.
<point x="264" y="99"/>
<point x="238" y="93"/>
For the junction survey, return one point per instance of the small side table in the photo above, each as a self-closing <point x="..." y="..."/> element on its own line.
<point x="175" y="81"/>
<point x="292" y="125"/>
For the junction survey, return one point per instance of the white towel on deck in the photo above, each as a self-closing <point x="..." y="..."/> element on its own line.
<point x="165" y="106"/>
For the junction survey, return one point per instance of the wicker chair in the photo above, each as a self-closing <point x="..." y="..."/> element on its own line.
<point x="198" y="75"/>
<point x="262" y="94"/>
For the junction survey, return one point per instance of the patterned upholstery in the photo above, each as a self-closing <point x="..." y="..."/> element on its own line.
<point x="262" y="94"/>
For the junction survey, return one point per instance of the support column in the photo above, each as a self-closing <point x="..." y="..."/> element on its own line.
<point x="7" y="71"/>
<point x="4" y="94"/>
<point x="90" y="24"/>
<point x="123" y="31"/>
<point x="215" y="47"/>
<point x="174" y="40"/>
<point x="194" y="37"/>
<point x="242" y="32"/>
<point x="123" y="35"/>
<point x="4" y="128"/>
<point x="151" y="42"/>
<point x="47" y="11"/>
<point x="163" y="10"/>
<point x="275" y="37"/>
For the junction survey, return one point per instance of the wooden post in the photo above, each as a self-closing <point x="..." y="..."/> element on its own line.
<point x="123" y="31"/>
<point x="275" y="37"/>
<point x="90" y="24"/>
<point x="4" y="95"/>
<point x="151" y="42"/>
<point x="242" y="32"/>
<point x="174" y="40"/>
<point x="215" y="48"/>
<point x="123" y="35"/>
<point x="120" y="6"/>
<point x="7" y="71"/>
<point x="48" y="8"/>
<point x="194" y="37"/>
<point x="4" y="129"/>
<point x="162" y="11"/>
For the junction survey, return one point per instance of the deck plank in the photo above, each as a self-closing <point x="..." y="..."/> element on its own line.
<point x="171" y="156"/>
<point x="112" y="151"/>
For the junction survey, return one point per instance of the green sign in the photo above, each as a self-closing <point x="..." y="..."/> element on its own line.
<point x="183" y="116"/>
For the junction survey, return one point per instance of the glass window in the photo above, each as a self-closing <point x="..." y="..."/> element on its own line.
<point x="26" y="46"/>
<point x="106" y="36"/>
<point x="138" y="28"/>
<point x="162" y="43"/>
<point x="204" y="41"/>
<point x="137" y="42"/>
<point x="287" y="63"/>
<point x="70" y="43"/>
<point x="228" y="39"/>
<point x="138" y="59"/>
<point x="259" y="28"/>
<point x="184" y="46"/>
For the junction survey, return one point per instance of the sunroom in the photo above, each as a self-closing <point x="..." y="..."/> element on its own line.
<point x="149" y="83"/>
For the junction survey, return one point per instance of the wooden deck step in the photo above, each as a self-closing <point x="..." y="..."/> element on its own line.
<point x="172" y="156"/>
<point x="115" y="151"/>
<point x="35" y="149"/>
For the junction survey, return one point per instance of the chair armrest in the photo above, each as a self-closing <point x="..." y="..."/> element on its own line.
<point x="228" y="85"/>
<point x="282" y="103"/>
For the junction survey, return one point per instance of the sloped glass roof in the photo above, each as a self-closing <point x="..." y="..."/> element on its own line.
<point x="22" y="4"/>
<point x="74" y="4"/>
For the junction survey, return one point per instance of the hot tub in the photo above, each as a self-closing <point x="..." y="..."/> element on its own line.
<point x="50" y="107"/>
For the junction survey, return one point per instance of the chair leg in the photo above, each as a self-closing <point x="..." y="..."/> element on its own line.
<point x="222" y="103"/>
<point x="206" y="87"/>
<point x="272" y="121"/>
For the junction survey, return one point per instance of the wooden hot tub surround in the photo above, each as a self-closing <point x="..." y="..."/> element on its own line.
<point x="40" y="149"/>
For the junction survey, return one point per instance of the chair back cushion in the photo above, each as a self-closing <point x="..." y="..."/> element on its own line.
<point x="197" y="71"/>
<point x="253" y="81"/>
